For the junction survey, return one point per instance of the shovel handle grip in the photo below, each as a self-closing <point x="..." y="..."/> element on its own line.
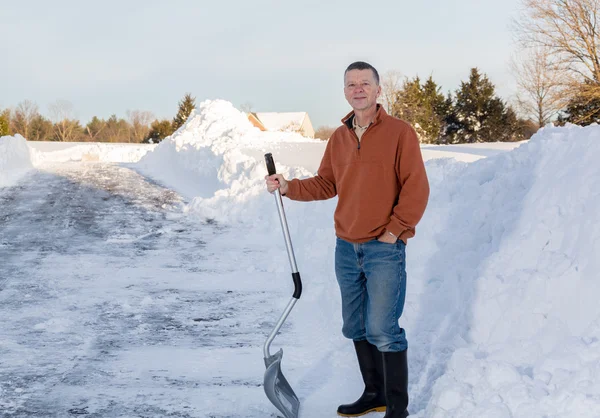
<point x="270" y="164"/>
<point x="297" y="285"/>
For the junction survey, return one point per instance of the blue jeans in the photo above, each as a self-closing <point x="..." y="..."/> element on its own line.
<point x="372" y="279"/>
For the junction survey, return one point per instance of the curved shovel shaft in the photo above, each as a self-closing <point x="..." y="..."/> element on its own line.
<point x="278" y="326"/>
<point x="276" y="386"/>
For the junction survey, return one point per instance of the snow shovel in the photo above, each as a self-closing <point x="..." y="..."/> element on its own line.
<point x="277" y="388"/>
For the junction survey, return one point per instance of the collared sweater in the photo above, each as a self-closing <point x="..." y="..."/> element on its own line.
<point x="380" y="180"/>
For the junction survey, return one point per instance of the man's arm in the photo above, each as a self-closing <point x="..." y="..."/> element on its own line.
<point x="414" y="192"/>
<point x="319" y="187"/>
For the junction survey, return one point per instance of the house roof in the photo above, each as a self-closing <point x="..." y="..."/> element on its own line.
<point x="256" y="121"/>
<point x="278" y="121"/>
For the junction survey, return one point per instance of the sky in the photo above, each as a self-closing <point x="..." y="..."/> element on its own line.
<point x="112" y="56"/>
<point x="136" y="305"/>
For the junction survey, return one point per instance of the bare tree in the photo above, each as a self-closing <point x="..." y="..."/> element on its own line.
<point x="324" y="132"/>
<point x="25" y="112"/>
<point x="65" y="126"/>
<point x="540" y="84"/>
<point x="569" y="30"/>
<point x="246" y="107"/>
<point x="140" y="123"/>
<point x="391" y="82"/>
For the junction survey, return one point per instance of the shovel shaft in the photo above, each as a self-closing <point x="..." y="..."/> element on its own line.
<point x="286" y="232"/>
<point x="273" y="333"/>
<point x="292" y="259"/>
<point x="295" y="276"/>
<point x="288" y="245"/>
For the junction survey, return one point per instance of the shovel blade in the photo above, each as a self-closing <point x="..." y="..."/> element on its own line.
<point x="277" y="388"/>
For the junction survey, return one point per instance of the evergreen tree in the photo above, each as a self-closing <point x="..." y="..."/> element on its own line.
<point x="408" y="101"/>
<point x="450" y="121"/>
<point x="3" y="125"/>
<point x="159" y="130"/>
<point x="434" y="98"/>
<point x="479" y="115"/>
<point x="186" y="105"/>
<point x="582" y="109"/>
<point x="514" y="127"/>
<point x="434" y="110"/>
<point x="95" y="129"/>
<point x="420" y="105"/>
<point x="5" y="116"/>
<point x="40" y="129"/>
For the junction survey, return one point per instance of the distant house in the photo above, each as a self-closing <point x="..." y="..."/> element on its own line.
<point x="283" y="121"/>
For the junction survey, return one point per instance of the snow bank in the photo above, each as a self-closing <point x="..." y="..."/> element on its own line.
<point x="508" y="256"/>
<point x="204" y="160"/>
<point x="44" y="152"/>
<point x="15" y="159"/>
<point x="467" y="152"/>
<point x="502" y="315"/>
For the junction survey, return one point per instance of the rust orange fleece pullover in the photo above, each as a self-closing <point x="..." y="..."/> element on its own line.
<point x="380" y="180"/>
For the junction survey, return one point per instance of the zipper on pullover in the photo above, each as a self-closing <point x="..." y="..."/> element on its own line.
<point x="351" y="129"/>
<point x="362" y="136"/>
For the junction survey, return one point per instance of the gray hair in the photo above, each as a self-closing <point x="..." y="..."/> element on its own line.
<point x="361" y="65"/>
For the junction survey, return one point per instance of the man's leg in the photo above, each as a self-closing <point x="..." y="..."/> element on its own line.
<point x="348" y="259"/>
<point x="351" y="280"/>
<point x="385" y="269"/>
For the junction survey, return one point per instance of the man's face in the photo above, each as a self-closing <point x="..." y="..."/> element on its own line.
<point x="360" y="89"/>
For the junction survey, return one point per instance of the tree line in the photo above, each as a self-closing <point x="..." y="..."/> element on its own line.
<point x="473" y="113"/>
<point x="139" y="127"/>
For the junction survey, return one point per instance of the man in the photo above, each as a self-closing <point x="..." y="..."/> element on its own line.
<point x="373" y="164"/>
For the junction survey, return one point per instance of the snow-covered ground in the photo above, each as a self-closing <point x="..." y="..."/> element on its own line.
<point x="165" y="306"/>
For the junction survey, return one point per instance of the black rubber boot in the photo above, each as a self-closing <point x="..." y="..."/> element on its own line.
<point x="370" y="362"/>
<point x="395" y="371"/>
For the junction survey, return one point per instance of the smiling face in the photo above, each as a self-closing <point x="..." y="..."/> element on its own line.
<point x="361" y="89"/>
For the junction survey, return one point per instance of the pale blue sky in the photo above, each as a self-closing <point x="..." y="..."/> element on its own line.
<point x="110" y="56"/>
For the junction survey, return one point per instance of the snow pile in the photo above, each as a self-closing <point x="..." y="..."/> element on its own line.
<point x="15" y="159"/>
<point x="58" y="152"/>
<point x="508" y="256"/>
<point x="205" y="159"/>
<point x="467" y="152"/>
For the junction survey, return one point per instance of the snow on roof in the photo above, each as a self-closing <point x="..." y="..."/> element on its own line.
<point x="278" y="121"/>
